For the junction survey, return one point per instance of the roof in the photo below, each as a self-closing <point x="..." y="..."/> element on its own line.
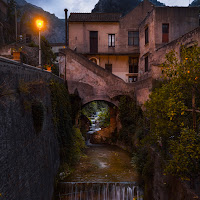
<point x="94" y="17"/>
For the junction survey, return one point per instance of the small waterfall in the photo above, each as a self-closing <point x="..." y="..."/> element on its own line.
<point x="93" y="128"/>
<point x="99" y="191"/>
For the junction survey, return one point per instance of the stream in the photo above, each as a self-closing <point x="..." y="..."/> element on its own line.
<point x="104" y="173"/>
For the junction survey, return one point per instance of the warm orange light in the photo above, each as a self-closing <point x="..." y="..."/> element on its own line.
<point x="39" y="23"/>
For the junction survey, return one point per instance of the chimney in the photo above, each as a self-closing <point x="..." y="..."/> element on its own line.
<point x="66" y="28"/>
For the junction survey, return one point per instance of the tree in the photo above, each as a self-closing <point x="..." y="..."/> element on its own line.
<point x="170" y="107"/>
<point x="170" y="110"/>
<point x="185" y="151"/>
<point x="186" y="73"/>
<point x="48" y="57"/>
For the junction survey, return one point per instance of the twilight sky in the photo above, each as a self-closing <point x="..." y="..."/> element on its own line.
<point x="57" y="6"/>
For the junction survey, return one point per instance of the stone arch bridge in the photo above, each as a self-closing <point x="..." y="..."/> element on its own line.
<point x="92" y="81"/>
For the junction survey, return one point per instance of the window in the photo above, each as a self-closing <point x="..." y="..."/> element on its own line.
<point x="146" y="64"/>
<point x="133" y="65"/>
<point x="93" y="41"/>
<point x="108" y="67"/>
<point x="132" y="79"/>
<point x="146" y="35"/>
<point x="111" y="40"/>
<point x="133" y="38"/>
<point x="165" y="33"/>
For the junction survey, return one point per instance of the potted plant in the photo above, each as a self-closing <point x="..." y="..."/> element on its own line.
<point x="47" y="67"/>
<point x="17" y="53"/>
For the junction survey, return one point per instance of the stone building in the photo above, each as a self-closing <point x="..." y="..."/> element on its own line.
<point x="160" y="27"/>
<point x="124" y="45"/>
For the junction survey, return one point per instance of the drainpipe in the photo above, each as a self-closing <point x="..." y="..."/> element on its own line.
<point x="66" y="28"/>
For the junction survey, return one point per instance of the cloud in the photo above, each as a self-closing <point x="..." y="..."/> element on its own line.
<point x="57" y="6"/>
<point x="176" y="2"/>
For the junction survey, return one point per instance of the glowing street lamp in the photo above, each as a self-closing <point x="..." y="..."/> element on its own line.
<point x="39" y="24"/>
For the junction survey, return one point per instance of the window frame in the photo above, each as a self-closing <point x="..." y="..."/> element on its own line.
<point x="111" y="40"/>
<point x="146" y="35"/>
<point x="165" y="35"/>
<point x="133" y="78"/>
<point x="132" y="38"/>
<point x="133" y="66"/>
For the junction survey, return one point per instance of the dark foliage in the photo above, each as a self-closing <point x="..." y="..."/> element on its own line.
<point x="195" y="3"/>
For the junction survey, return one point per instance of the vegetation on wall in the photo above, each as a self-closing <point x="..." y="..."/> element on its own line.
<point x="5" y="91"/>
<point x="70" y="139"/>
<point x="31" y="95"/>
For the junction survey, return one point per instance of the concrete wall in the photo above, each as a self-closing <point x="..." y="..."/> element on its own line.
<point x="29" y="160"/>
<point x="165" y="187"/>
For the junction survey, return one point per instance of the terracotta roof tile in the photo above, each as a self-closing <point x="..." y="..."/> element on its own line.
<point x="94" y="17"/>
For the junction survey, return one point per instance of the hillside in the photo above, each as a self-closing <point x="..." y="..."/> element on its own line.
<point x="195" y="3"/>
<point x="121" y="6"/>
<point x="55" y="27"/>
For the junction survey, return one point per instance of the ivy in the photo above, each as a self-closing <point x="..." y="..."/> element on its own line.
<point x="69" y="138"/>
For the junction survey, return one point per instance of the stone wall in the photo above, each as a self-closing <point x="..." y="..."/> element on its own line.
<point x="29" y="158"/>
<point x="92" y="81"/>
<point x="165" y="187"/>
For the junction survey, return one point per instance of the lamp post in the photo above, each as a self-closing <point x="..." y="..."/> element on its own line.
<point x="39" y="25"/>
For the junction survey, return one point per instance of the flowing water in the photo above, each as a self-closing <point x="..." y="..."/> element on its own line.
<point x="104" y="173"/>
